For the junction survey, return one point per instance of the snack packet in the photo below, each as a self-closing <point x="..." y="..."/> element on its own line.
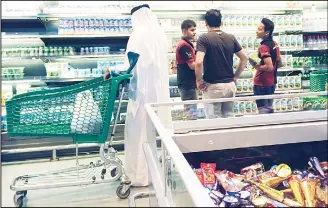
<point x="208" y="170"/>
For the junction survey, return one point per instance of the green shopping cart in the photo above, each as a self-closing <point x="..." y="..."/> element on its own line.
<point x="84" y="112"/>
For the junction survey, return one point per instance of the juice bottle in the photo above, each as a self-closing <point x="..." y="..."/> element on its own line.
<point x="280" y="20"/>
<point x="289" y="102"/>
<point x="298" y="21"/>
<point x="285" y="82"/>
<point x="235" y="108"/>
<point x="232" y="21"/>
<point x="250" y="43"/>
<point x="296" y="104"/>
<point x="250" y="21"/>
<point x="242" y="107"/>
<point x="244" y="21"/>
<point x="280" y="83"/>
<point x="248" y="107"/>
<point x="310" y="42"/>
<point x="238" y="20"/>
<point x="250" y="85"/>
<point x="291" y="82"/>
<point x="282" y="41"/>
<point x="226" y="22"/>
<point x="298" y="82"/>
<point x="283" y="104"/>
<point x="239" y="85"/>
<point x="300" y="41"/>
<point x="293" y="42"/>
<point x="286" y="21"/>
<point x="254" y="107"/>
<point x="245" y="85"/>
<point x="292" y="20"/>
<point x="287" y="41"/>
<point x="244" y="42"/>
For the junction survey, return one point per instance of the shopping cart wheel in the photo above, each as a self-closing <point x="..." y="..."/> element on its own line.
<point x="21" y="193"/>
<point x="19" y="200"/>
<point x="120" y="194"/>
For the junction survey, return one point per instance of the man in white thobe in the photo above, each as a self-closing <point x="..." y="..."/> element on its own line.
<point x="150" y="84"/>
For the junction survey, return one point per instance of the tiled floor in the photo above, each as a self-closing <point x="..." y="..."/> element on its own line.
<point x="98" y="195"/>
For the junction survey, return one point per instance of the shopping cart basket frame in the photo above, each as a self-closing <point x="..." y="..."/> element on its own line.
<point x="84" y="174"/>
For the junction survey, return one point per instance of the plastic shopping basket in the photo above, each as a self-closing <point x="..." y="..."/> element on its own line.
<point x="318" y="80"/>
<point x="82" y="111"/>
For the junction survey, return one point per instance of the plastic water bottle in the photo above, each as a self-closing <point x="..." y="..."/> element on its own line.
<point x="310" y="42"/>
<point x="324" y="41"/>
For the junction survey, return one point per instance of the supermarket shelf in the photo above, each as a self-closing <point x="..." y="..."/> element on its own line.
<point x="244" y="94"/>
<point x="157" y="11"/>
<point x="109" y="56"/>
<point x="31" y="35"/>
<point x="31" y="17"/>
<point x="291" y="91"/>
<point x="241" y="94"/>
<point x="290" y="49"/>
<point x="285" y="69"/>
<point x="314" y="31"/>
<point x="121" y="14"/>
<point x="314" y="49"/>
<point x="119" y="55"/>
<point x="302" y="49"/>
<point x="111" y="14"/>
<point x="236" y="31"/>
<point x="45" y="79"/>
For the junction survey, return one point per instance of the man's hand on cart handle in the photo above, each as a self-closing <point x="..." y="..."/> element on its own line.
<point x="107" y="74"/>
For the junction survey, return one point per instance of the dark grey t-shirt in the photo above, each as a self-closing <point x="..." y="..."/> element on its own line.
<point x="219" y="48"/>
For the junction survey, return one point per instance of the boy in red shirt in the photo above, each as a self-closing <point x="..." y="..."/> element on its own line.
<point x="265" y="78"/>
<point x="185" y="59"/>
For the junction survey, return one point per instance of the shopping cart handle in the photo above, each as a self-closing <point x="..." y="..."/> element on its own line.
<point x="133" y="59"/>
<point x="114" y="74"/>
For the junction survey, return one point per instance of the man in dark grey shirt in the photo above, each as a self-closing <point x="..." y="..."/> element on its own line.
<point x="215" y="51"/>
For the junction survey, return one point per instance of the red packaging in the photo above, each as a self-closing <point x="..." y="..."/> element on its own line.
<point x="208" y="170"/>
<point x="200" y="175"/>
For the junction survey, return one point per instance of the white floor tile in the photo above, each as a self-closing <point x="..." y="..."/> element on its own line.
<point x="98" y="195"/>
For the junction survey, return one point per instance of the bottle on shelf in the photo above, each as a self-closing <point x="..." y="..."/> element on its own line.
<point x="305" y="79"/>
<point x="310" y="42"/>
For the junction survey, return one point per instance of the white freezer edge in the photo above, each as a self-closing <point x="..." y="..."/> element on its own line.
<point x="249" y="120"/>
<point x="252" y="136"/>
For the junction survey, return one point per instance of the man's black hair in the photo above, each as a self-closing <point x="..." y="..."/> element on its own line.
<point x="186" y="24"/>
<point x="268" y="25"/>
<point x="134" y="9"/>
<point x="213" y="18"/>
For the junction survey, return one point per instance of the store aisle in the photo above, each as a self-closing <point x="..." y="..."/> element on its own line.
<point x="99" y="195"/>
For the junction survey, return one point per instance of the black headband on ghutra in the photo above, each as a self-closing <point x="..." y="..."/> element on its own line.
<point x="134" y="9"/>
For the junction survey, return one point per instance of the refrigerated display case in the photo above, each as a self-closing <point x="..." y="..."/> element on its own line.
<point x="90" y="37"/>
<point x="231" y="143"/>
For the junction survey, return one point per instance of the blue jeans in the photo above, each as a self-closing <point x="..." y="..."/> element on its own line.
<point x="264" y="105"/>
<point x="189" y="94"/>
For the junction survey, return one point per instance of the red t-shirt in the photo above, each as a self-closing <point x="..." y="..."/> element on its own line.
<point x="268" y="48"/>
<point x="185" y="53"/>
